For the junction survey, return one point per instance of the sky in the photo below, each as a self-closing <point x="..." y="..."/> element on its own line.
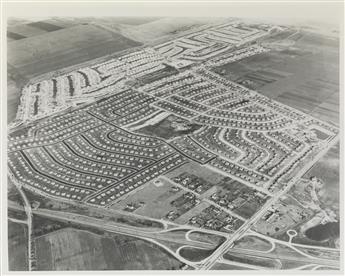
<point x="329" y="14"/>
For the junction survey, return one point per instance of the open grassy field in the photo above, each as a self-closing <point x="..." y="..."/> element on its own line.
<point x="250" y="242"/>
<point x="13" y="193"/>
<point x="17" y="247"/>
<point x="13" y="100"/>
<point x="104" y="214"/>
<point x="15" y="84"/>
<point x="154" y="200"/>
<point x="166" y="129"/>
<point x="157" y="198"/>
<point x="195" y="254"/>
<point x="327" y="169"/>
<point x="184" y="219"/>
<point x="197" y="169"/>
<point x="71" y="249"/>
<point x="16" y="214"/>
<point x="304" y="75"/>
<point x="268" y="263"/>
<point x="206" y="237"/>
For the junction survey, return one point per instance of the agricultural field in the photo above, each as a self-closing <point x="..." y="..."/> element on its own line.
<point x="34" y="58"/>
<point x="163" y="28"/>
<point x="71" y="249"/>
<point x="17" y="246"/>
<point x="21" y="29"/>
<point x="28" y="57"/>
<point x="303" y="75"/>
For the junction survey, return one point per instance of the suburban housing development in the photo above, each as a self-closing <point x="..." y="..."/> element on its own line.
<point x="159" y="143"/>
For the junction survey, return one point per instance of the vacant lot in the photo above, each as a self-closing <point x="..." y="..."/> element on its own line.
<point x="170" y="127"/>
<point x="304" y="75"/>
<point x="71" y="249"/>
<point x="196" y="169"/>
<point x="17" y="247"/>
<point x="152" y="200"/>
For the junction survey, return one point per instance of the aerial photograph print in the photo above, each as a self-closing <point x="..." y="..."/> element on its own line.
<point x="183" y="141"/>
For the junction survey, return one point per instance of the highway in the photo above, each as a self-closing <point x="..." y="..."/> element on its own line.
<point x="111" y="226"/>
<point x="131" y="231"/>
<point x="207" y="263"/>
<point x="28" y="211"/>
<point x="297" y="258"/>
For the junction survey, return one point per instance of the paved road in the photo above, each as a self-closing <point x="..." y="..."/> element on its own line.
<point x="202" y="198"/>
<point x="297" y="258"/>
<point x="28" y="211"/>
<point x="116" y="227"/>
<point x="248" y="224"/>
